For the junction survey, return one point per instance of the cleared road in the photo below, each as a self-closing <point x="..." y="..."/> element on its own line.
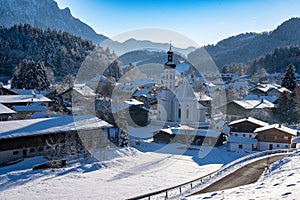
<point x="243" y="176"/>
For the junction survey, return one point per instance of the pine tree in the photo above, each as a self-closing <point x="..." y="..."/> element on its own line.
<point x="231" y="93"/>
<point x="30" y="75"/>
<point x="287" y="109"/>
<point x="114" y="70"/>
<point x="123" y="125"/>
<point x="289" y="81"/>
<point x="260" y="75"/>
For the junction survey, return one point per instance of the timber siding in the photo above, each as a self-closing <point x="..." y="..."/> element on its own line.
<point x="247" y="127"/>
<point x="275" y="136"/>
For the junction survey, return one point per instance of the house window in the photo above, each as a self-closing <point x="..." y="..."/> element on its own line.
<point x="32" y="150"/>
<point x="286" y="146"/>
<point x="187" y="113"/>
<point x="278" y="145"/>
<point x="265" y="137"/>
<point x="15" y="152"/>
<point x="41" y="149"/>
<point x="240" y="146"/>
<point x="244" y="135"/>
<point x="275" y="137"/>
<point x="285" y="137"/>
<point x="236" y="134"/>
<point x="250" y="135"/>
<point x="179" y="113"/>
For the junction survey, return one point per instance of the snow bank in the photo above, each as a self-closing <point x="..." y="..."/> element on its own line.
<point x="281" y="182"/>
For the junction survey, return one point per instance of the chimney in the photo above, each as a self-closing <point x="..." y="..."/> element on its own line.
<point x="279" y="126"/>
<point x="262" y="100"/>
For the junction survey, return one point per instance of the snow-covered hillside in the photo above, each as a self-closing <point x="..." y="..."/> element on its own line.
<point x="281" y="182"/>
<point x="132" y="171"/>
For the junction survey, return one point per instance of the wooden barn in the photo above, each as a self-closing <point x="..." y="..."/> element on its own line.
<point x="6" y="113"/>
<point x="188" y="135"/>
<point x="239" y="109"/>
<point x="242" y="136"/>
<point x="275" y="136"/>
<point x="53" y="136"/>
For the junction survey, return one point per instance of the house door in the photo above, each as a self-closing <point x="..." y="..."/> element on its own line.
<point x="270" y="146"/>
<point x="25" y="153"/>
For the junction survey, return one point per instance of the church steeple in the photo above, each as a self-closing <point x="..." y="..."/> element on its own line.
<point x="170" y="54"/>
<point x="170" y="63"/>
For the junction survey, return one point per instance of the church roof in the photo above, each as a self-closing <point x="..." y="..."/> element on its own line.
<point x="185" y="91"/>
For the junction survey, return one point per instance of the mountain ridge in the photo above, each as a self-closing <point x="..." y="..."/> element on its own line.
<point x="246" y="47"/>
<point x="45" y="14"/>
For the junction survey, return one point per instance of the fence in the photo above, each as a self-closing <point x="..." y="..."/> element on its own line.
<point x="204" y="181"/>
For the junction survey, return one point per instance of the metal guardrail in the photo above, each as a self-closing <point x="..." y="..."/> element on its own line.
<point x="188" y="186"/>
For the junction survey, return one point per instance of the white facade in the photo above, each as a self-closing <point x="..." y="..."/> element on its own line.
<point x="262" y="146"/>
<point x="237" y="143"/>
<point x="240" y="146"/>
<point x="169" y="78"/>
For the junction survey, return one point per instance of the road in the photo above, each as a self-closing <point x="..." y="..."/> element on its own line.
<point x="243" y="176"/>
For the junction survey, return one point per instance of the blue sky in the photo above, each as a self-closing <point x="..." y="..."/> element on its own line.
<point x="203" y="21"/>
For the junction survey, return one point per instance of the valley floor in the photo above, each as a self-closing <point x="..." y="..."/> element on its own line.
<point x="127" y="173"/>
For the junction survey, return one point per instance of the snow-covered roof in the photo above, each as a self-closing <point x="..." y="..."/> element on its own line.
<point x="37" y="115"/>
<point x="202" y="97"/>
<point x="201" y="107"/>
<point x="186" y="130"/>
<point x="249" y="119"/>
<point x="185" y="91"/>
<point x="84" y="90"/>
<point x="247" y="140"/>
<point x="209" y="84"/>
<point x="281" y="90"/>
<point x="254" y="104"/>
<point x="117" y="106"/>
<point x="30" y="108"/>
<point x="5" y="110"/>
<point x="30" y="92"/>
<point x="23" y="98"/>
<point x="271" y="99"/>
<point x="296" y="140"/>
<point x="99" y="78"/>
<point x="277" y="127"/>
<point x="268" y="87"/>
<point x="64" y="123"/>
<point x="142" y="92"/>
<point x="133" y="102"/>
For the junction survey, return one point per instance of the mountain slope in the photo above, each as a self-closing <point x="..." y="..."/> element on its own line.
<point x="60" y="51"/>
<point x="45" y="14"/>
<point x="245" y="47"/>
<point x="134" y="45"/>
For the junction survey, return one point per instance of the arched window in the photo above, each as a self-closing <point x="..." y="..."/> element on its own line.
<point x="187" y="113"/>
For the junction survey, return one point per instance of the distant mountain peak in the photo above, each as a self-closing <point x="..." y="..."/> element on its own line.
<point x="45" y="14"/>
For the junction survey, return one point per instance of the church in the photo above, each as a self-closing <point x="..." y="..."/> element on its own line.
<point x="178" y="103"/>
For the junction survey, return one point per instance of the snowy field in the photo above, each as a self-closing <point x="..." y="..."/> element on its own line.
<point x="282" y="182"/>
<point x="129" y="172"/>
